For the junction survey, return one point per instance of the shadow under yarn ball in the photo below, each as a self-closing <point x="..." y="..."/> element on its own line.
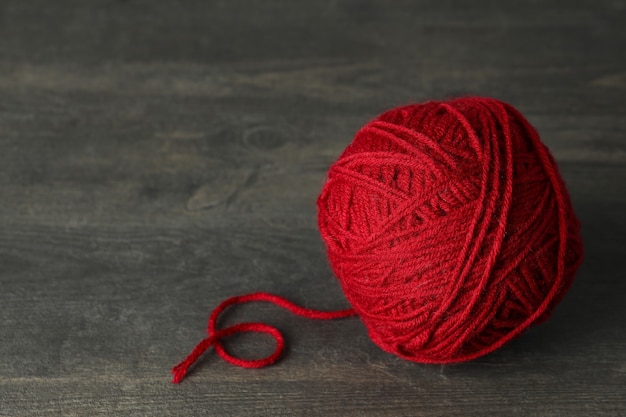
<point x="450" y="228"/>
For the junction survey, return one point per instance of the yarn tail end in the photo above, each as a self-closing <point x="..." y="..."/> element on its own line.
<point x="179" y="372"/>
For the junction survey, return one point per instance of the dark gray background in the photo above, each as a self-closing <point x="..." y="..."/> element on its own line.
<point x="158" y="157"/>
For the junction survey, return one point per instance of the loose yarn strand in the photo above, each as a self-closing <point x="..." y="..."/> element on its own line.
<point x="215" y="336"/>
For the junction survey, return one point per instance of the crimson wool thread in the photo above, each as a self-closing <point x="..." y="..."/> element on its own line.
<point x="449" y="228"/>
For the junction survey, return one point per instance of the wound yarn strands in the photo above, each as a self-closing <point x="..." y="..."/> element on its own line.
<point x="449" y="228"/>
<point x="450" y="231"/>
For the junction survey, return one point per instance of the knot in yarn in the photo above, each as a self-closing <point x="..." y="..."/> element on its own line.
<point x="449" y="228"/>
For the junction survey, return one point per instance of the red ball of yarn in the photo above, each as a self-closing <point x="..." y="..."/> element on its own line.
<point x="449" y="228"/>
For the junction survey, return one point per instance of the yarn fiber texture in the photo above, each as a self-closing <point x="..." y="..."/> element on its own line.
<point x="449" y="228"/>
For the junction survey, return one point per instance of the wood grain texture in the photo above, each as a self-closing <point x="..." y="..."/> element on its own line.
<point x="157" y="157"/>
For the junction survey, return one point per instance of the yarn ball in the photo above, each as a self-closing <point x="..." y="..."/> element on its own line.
<point x="449" y="228"/>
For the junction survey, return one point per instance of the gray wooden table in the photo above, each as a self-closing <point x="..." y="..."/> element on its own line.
<point x="158" y="157"/>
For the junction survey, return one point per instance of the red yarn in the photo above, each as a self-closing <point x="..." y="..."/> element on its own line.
<point x="449" y="228"/>
<point x="180" y="370"/>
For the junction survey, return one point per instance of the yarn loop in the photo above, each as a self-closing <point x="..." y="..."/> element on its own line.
<point x="215" y="336"/>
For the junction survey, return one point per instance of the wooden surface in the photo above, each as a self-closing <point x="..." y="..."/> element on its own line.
<point x="157" y="157"/>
